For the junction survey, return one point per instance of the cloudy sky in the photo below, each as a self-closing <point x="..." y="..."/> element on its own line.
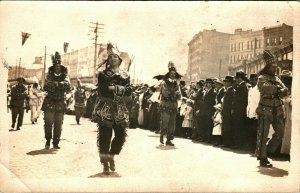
<point x="154" y="32"/>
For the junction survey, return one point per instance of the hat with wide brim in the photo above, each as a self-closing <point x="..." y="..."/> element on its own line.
<point x="229" y="79"/>
<point x="219" y="82"/>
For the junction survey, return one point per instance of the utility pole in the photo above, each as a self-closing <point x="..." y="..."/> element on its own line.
<point x="44" y="71"/>
<point x="220" y="68"/>
<point x="95" y="30"/>
<point x="19" y="69"/>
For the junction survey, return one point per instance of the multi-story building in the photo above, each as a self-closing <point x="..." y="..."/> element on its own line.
<point x="208" y="55"/>
<point x="278" y="39"/>
<point x="245" y="45"/>
<point x="80" y="63"/>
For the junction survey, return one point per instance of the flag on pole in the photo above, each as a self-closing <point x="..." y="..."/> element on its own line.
<point x="25" y="36"/>
<point x="38" y="60"/>
<point x="66" y="45"/>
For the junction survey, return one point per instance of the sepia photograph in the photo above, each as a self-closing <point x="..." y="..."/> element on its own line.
<point x="154" y="96"/>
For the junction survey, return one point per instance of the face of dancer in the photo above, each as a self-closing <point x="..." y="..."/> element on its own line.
<point x="172" y="75"/>
<point x="57" y="69"/>
<point x="114" y="61"/>
<point x="272" y="70"/>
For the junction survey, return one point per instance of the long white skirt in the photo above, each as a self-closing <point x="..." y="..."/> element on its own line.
<point x="141" y="117"/>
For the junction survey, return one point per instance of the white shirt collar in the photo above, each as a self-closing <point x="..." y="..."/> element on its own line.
<point x="171" y="80"/>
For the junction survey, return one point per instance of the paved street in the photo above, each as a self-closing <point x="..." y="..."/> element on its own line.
<point x="143" y="165"/>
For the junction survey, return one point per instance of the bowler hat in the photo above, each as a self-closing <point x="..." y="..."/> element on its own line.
<point x="240" y="74"/>
<point x="21" y="79"/>
<point x="228" y="79"/>
<point x="252" y="76"/>
<point x="208" y="80"/>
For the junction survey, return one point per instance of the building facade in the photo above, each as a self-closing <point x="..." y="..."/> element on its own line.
<point x="277" y="39"/>
<point x="244" y="46"/>
<point x="207" y="55"/>
<point x="80" y="63"/>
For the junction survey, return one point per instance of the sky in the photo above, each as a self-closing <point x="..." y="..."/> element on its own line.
<point x="153" y="32"/>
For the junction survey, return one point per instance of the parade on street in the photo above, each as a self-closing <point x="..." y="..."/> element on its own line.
<point x="149" y="97"/>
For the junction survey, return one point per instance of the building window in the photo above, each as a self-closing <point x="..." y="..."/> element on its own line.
<point x="242" y="45"/>
<point x="234" y="47"/>
<point x="268" y="42"/>
<point x="248" y="45"/>
<point x="275" y="40"/>
<point x="280" y="40"/>
<point x="233" y="59"/>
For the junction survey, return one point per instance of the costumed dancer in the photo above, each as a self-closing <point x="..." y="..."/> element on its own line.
<point x="17" y="102"/>
<point x="79" y="97"/>
<point x="110" y="112"/>
<point x="170" y="95"/>
<point x="57" y="84"/>
<point x="270" y="110"/>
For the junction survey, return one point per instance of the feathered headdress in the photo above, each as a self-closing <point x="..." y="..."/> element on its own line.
<point x="171" y="67"/>
<point x="78" y="83"/>
<point x="269" y="58"/>
<point x="111" y="49"/>
<point x="56" y="59"/>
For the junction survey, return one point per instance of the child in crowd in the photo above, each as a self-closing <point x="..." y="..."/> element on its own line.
<point x="188" y="119"/>
<point x="217" y="130"/>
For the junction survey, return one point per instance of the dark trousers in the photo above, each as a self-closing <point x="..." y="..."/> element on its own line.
<point x="227" y="131"/>
<point x="198" y="129"/>
<point x="133" y="122"/>
<point x="17" y="112"/>
<point x="208" y="125"/>
<point x="240" y="131"/>
<point x="252" y="133"/>
<point x="168" y="124"/>
<point x="53" y="120"/>
<point x="79" y="112"/>
<point x="104" y="142"/>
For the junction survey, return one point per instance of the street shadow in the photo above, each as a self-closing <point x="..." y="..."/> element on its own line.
<point x="42" y="151"/>
<point x="283" y="157"/>
<point x="274" y="172"/>
<point x="202" y="143"/>
<point x="238" y="151"/>
<point x="165" y="147"/>
<point x="102" y="175"/>
<point x="73" y="124"/>
<point x="13" y="130"/>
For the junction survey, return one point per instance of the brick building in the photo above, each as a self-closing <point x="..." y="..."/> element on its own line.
<point x="207" y="55"/>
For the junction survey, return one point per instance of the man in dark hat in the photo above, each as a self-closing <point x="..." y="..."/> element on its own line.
<point x="270" y="109"/>
<point x="240" y="110"/>
<point x="79" y="97"/>
<point x="198" y="98"/>
<point x="17" y="104"/>
<point x="227" y="110"/>
<point x="182" y="88"/>
<point x="57" y="84"/>
<point x="170" y="95"/>
<point x="111" y="113"/>
<point x="220" y="90"/>
<point x="253" y="100"/>
<point x="209" y="100"/>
